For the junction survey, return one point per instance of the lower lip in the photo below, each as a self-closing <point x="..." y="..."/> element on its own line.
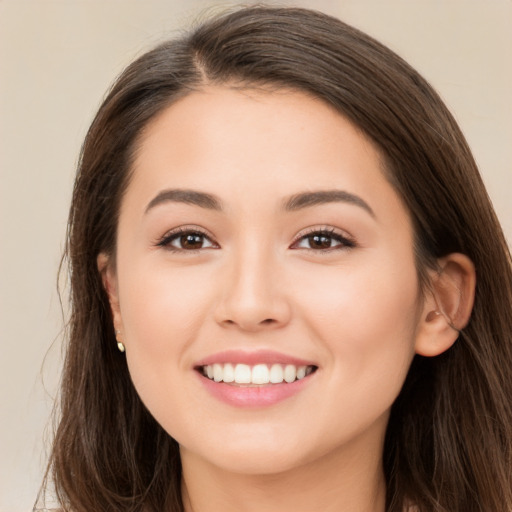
<point x="254" y="396"/>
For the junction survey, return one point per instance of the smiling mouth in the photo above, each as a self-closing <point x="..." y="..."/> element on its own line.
<point x="255" y="375"/>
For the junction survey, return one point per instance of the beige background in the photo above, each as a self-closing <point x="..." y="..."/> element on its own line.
<point x="57" y="58"/>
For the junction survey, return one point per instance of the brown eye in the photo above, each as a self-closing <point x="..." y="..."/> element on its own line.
<point x="320" y="241"/>
<point x="191" y="241"/>
<point x="187" y="240"/>
<point x="323" y="241"/>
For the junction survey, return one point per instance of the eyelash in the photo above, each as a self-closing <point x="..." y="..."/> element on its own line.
<point x="175" y="234"/>
<point x="344" y="242"/>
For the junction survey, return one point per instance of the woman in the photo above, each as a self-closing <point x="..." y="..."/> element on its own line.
<point x="289" y="287"/>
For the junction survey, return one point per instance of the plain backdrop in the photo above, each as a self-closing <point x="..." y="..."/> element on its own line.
<point x="57" y="58"/>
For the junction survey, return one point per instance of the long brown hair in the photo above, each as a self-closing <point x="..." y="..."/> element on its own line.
<point x="449" y="441"/>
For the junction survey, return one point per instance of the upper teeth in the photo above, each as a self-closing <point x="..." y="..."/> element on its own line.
<point x="258" y="374"/>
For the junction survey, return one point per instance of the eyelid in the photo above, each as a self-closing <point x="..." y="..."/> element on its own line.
<point x="347" y="241"/>
<point x="165" y="241"/>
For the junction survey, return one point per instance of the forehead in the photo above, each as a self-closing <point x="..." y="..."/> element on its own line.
<point x="272" y="127"/>
<point x="271" y="144"/>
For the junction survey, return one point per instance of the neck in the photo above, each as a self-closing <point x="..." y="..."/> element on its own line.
<point x="341" y="482"/>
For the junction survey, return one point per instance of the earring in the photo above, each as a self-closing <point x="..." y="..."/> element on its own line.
<point x="432" y="315"/>
<point x="120" y="345"/>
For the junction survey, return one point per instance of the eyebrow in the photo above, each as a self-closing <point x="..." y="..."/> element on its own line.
<point x="293" y="203"/>
<point x="307" y="199"/>
<point x="194" y="197"/>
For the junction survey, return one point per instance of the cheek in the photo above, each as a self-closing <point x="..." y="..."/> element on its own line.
<point x="363" y="295"/>
<point x="367" y="323"/>
<point x="162" y="310"/>
<point x="367" y="317"/>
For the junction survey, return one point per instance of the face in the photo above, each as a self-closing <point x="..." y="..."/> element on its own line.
<point x="265" y="284"/>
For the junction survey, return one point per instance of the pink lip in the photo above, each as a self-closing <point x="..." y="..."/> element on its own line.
<point x="252" y="358"/>
<point x="253" y="396"/>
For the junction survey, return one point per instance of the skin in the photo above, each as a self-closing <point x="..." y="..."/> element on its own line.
<point x="255" y="282"/>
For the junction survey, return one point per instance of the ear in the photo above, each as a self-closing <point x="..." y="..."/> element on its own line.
<point x="447" y="307"/>
<point x="109" y="280"/>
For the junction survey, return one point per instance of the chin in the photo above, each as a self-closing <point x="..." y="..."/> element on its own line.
<point x="254" y="461"/>
<point x="263" y="451"/>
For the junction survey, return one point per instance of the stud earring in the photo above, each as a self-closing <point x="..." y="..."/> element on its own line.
<point x="120" y="345"/>
<point x="432" y="315"/>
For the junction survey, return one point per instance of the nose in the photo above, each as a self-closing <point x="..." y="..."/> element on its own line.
<point x="253" y="295"/>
